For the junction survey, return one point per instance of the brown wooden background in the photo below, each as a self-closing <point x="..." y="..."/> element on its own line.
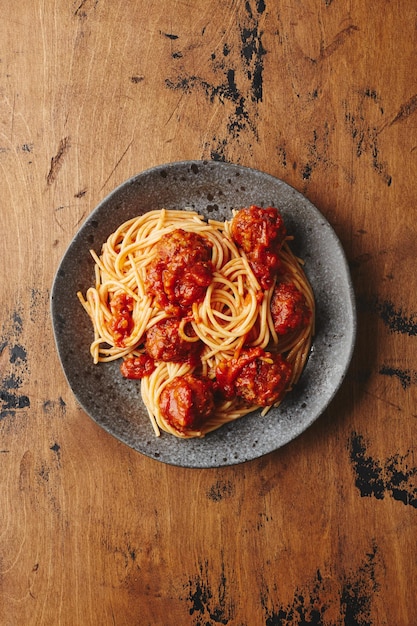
<point x="320" y="93"/>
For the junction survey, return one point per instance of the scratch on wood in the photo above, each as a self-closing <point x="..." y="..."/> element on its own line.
<point x="76" y="12"/>
<point x="116" y="166"/>
<point x="405" y="110"/>
<point x="383" y="400"/>
<point x="56" y="161"/>
<point x="338" y="41"/>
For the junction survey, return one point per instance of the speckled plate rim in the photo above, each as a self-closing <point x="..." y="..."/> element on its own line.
<point x="212" y="188"/>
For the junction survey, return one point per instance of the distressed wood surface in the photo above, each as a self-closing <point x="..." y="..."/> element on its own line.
<point x="320" y="93"/>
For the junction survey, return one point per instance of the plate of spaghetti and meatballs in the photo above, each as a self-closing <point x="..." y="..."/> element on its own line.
<point x="204" y="313"/>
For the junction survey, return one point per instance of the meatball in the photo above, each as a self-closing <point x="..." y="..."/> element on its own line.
<point x="137" y="367"/>
<point x="164" y="343"/>
<point x="260" y="233"/>
<point x="256" y="376"/>
<point x="258" y="228"/>
<point x="228" y="370"/>
<point x="183" y="248"/>
<point x="181" y="271"/>
<point x="187" y="402"/>
<point x="289" y="309"/>
<point x="264" y="381"/>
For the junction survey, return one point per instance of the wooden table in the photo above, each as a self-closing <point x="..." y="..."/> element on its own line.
<point x="321" y="94"/>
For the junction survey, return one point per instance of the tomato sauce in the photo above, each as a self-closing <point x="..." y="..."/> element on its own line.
<point x="255" y="376"/>
<point x="121" y="323"/>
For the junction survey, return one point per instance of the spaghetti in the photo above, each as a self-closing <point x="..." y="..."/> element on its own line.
<point x="215" y="318"/>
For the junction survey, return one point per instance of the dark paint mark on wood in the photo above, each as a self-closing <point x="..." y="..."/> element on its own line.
<point x="406" y="377"/>
<point x="364" y="132"/>
<point x="220" y="491"/>
<point x="218" y="152"/>
<point x="137" y="79"/>
<point x="282" y="152"/>
<point x="238" y="80"/>
<point x="351" y="601"/>
<point x="170" y="36"/>
<point x="318" y="149"/>
<point x="262" y="520"/>
<point x="56" y="448"/>
<point x="12" y="382"/>
<point x="240" y="120"/>
<point x="18" y="354"/>
<point x="394" y="477"/>
<point x="55" y="407"/>
<point x="209" y="605"/>
<point x="358" y="591"/>
<point x="80" y="194"/>
<point x="225" y="91"/>
<point x="57" y="160"/>
<point x="253" y="51"/>
<point x="39" y="300"/>
<point x="17" y="322"/>
<point x="397" y="320"/>
<point x="10" y="400"/>
<point x="306" y="173"/>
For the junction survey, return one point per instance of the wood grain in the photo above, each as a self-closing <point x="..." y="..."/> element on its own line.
<point x="322" y="94"/>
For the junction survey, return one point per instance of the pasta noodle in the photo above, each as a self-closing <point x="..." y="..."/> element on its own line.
<point x="233" y="314"/>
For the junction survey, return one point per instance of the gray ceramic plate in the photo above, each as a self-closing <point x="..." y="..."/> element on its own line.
<point x="213" y="189"/>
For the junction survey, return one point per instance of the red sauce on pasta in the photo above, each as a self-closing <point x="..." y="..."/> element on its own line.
<point x="179" y="274"/>
<point x="121" y="323"/>
<point x="256" y="376"/>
